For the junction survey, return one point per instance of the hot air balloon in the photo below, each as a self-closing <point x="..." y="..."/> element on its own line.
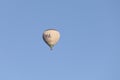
<point x="51" y="37"/>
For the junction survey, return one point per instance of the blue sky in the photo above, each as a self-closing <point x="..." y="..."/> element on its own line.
<point x="89" y="48"/>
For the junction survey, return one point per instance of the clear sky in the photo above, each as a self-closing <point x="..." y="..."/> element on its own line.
<point x="89" y="48"/>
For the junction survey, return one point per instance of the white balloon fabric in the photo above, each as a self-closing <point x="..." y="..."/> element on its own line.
<point x="51" y="37"/>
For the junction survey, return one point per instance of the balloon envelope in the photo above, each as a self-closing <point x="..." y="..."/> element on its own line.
<point x="51" y="37"/>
